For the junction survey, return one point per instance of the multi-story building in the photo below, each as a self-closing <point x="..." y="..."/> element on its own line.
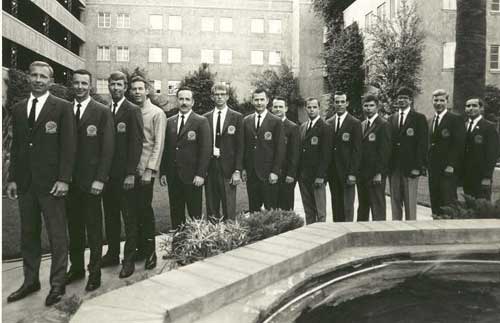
<point x="438" y="21"/>
<point x="48" y="30"/>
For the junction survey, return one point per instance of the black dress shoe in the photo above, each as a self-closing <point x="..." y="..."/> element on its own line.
<point x="54" y="296"/>
<point x="109" y="260"/>
<point x="150" y="262"/>
<point x="23" y="291"/>
<point x="93" y="283"/>
<point x="128" y="268"/>
<point x="74" y="275"/>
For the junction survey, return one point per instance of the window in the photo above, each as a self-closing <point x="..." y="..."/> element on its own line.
<point x="103" y="53"/>
<point x="325" y="34"/>
<point x="102" y="86"/>
<point x="104" y="20"/>
<point x="155" y="55"/>
<point x="123" y="20"/>
<point x="157" y="86"/>
<point x="173" y="86"/>
<point x="275" y="57"/>
<point x="256" y="57"/>
<point x="257" y="26"/>
<point x="449" y="55"/>
<point x="226" y="25"/>
<point x="207" y="24"/>
<point x="207" y="56"/>
<point x="174" y="23"/>
<point x="275" y="26"/>
<point x="368" y="20"/>
<point x="495" y="5"/>
<point x="494" y="57"/>
<point x="225" y="56"/>
<point x="381" y="11"/>
<point x="155" y="22"/>
<point x="174" y="55"/>
<point x="122" y="54"/>
<point x="450" y="4"/>
<point x="392" y="8"/>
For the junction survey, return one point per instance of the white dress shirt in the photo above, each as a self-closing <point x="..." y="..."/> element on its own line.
<point x="405" y="115"/>
<point x="39" y="105"/>
<point x="84" y="104"/>
<point x="474" y="122"/>
<point x="118" y="105"/>
<point x="186" y="116"/>
<point x="312" y="122"/>
<point x="340" y="118"/>
<point x="262" y="116"/>
<point x="223" y="113"/>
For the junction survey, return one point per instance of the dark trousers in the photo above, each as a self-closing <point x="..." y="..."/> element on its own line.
<point x="371" y="197"/>
<point x="181" y="195"/>
<point x="145" y="217"/>
<point x="84" y="212"/>
<point x="120" y="203"/>
<point x="286" y="194"/>
<point x="261" y="192"/>
<point x="53" y="210"/>
<point x="342" y="197"/>
<point x="313" y="200"/>
<point x="219" y="191"/>
<point x="473" y="187"/>
<point x="442" y="189"/>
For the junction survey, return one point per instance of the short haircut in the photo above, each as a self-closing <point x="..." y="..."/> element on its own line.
<point x="309" y="99"/>
<point x="280" y="98"/>
<point x="404" y="91"/>
<point x="479" y="100"/>
<point x="117" y="76"/>
<point x="260" y="90"/>
<point x="370" y="98"/>
<point x="184" y="88"/>
<point x="440" y="92"/>
<point x="339" y="93"/>
<point x="220" y="87"/>
<point x="42" y="64"/>
<point x="139" y="78"/>
<point x="84" y="72"/>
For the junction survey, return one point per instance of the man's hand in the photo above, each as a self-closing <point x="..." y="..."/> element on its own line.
<point x="273" y="178"/>
<point x="351" y="180"/>
<point x="12" y="190"/>
<point x="486" y="182"/>
<point x="244" y="175"/>
<point x="289" y="180"/>
<point x="129" y="182"/>
<point x="449" y="170"/>
<point x="415" y="173"/>
<point x="163" y="180"/>
<point x="59" y="189"/>
<point x="146" y="177"/>
<point x="198" y="181"/>
<point x="236" y="178"/>
<point x="377" y="179"/>
<point x="318" y="182"/>
<point x="96" y="187"/>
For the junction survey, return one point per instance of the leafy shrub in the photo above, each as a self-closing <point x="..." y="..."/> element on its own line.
<point x="471" y="208"/>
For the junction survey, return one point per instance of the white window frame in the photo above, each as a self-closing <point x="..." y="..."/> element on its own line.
<point x="275" y="26"/>
<point x="102" y="86"/>
<point x="122" y="54"/>
<point x="123" y="20"/>
<point x="494" y="51"/>
<point x="172" y="87"/>
<point x="155" y="55"/>
<point x="207" y="24"/>
<point x="325" y="34"/>
<point x="174" y="55"/>
<point x="156" y="22"/>
<point x="225" y="57"/>
<point x="103" y="19"/>
<point x="174" y="22"/>
<point x="226" y="24"/>
<point x="207" y="56"/>
<point x="103" y="53"/>
<point x="449" y="4"/>
<point x="257" y="26"/>
<point x="392" y="8"/>
<point x="368" y="20"/>
<point x="382" y="11"/>
<point x="274" y="58"/>
<point x="449" y="55"/>
<point x="495" y="3"/>
<point x="256" y="57"/>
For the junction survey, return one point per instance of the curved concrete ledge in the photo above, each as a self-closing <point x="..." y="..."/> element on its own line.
<point x="192" y="292"/>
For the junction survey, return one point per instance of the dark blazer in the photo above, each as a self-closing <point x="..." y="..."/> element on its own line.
<point x="346" y="147"/>
<point x="231" y="145"/>
<point x="314" y="151"/>
<point x="189" y="153"/>
<point x="129" y="135"/>
<point x="95" y="145"/>
<point x="446" y="144"/>
<point x="375" y="149"/>
<point x="265" y="148"/>
<point x="482" y="149"/>
<point x="47" y="154"/>
<point x="409" y="144"/>
<point x="292" y="150"/>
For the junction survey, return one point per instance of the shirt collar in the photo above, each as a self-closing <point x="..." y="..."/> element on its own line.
<point x="186" y="115"/>
<point x="223" y="111"/>
<point x="84" y="103"/>
<point x="313" y="121"/>
<point x="441" y="115"/>
<point x="405" y="111"/>
<point x="476" y="120"/>
<point x="283" y="119"/>
<point x="41" y="99"/>
<point x="119" y="103"/>
<point x="342" y="116"/>
<point x="372" y="119"/>
<point x="262" y="115"/>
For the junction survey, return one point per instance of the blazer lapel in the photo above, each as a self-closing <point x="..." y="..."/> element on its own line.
<point x="44" y="113"/>
<point x="121" y="111"/>
<point x="211" y="121"/>
<point x="229" y="115"/>
<point x="86" y="114"/>
<point x="303" y="129"/>
<point x="187" y="123"/>
<point x="372" y="128"/>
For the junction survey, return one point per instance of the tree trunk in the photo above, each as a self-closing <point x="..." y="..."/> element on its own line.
<point x="470" y="54"/>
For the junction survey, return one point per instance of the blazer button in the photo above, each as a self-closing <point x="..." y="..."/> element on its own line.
<point x="31" y="144"/>
<point x="254" y="147"/>
<point x="176" y="148"/>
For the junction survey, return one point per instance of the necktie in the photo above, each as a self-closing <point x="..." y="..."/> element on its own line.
<point x="182" y="124"/>
<point x="338" y="125"/>
<point x="469" y="129"/>
<point x="258" y="122"/>
<point x="217" y="132"/>
<point x="114" y="108"/>
<point x="368" y="125"/>
<point x="401" y="118"/>
<point x="309" y="126"/>
<point x="31" y="117"/>
<point x="436" y="123"/>
<point x="78" y="106"/>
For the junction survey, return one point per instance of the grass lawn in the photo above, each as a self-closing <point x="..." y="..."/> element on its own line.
<point x="11" y="243"/>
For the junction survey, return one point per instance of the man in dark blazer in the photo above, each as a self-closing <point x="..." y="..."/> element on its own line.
<point x="345" y="159"/>
<point x="94" y="153"/>
<point x="264" y="153"/>
<point x="288" y="178"/>
<point x="409" y="154"/>
<point x="226" y="164"/>
<point x="446" y="151"/>
<point x="482" y="149"/>
<point x="119" y="194"/>
<point x="375" y="155"/>
<point x="184" y="166"/>
<point x="315" y="142"/>
<point x="40" y="170"/>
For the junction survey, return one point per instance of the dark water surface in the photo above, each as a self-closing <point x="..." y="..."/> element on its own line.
<point x="418" y="299"/>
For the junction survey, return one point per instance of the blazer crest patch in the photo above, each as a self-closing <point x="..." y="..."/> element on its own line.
<point x="445" y="133"/>
<point x="191" y="135"/>
<point x="346" y="136"/>
<point x="314" y="141"/>
<point x="91" y="131"/>
<point x="410" y="132"/>
<point x="121" y="127"/>
<point x="268" y="135"/>
<point x="51" y="127"/>
<point x="372" y="137"/>
<point x="231" y="130"/>
<point x="478" y="139"/>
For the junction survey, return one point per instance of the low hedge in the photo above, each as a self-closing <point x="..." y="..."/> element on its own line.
<point x="471" y="208"/>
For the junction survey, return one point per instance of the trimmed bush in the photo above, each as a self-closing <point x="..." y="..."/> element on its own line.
<point x="471" y="208"/>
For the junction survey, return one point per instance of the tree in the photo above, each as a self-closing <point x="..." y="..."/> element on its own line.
<point x="344" y="58"/>
<point x="282" y="83"/>
<point x="395" y="52"/>
<point x="470" y="53"/>
<point x="492" y="102"/>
